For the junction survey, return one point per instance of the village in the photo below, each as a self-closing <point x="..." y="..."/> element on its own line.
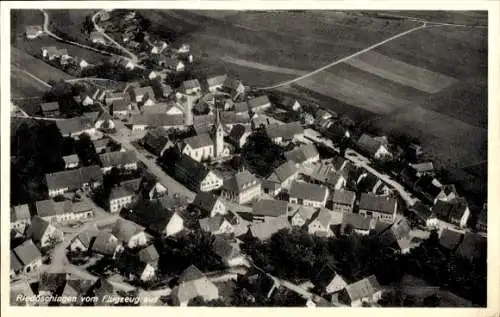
<point x="181" y="189"/>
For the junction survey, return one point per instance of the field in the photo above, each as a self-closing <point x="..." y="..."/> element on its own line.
<point x="24" y="86"/>
<point x="68" y="21"/>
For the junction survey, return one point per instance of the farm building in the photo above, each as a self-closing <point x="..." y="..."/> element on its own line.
<point x="33" y="31"/>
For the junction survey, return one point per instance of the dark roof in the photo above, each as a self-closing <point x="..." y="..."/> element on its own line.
<point x="369" y="144"/>
<point x="199" y="141"/>
<point x="266" y="229"/>
<point x="87" y="237"/>
<point x="157" y="119"/>
<point x="286" y="131"/>
<point x="287" y="102"/>
<point x="363" y="288"/>
<point x="15" y="265"/>
<point x="241" y="106"/>
<point x="224" y="248"/>
<point x="357" y="221"/>
<point x="421" y="210"/>
<point x="101" y="142"/>
<point x="27" y="252"/>
<point x="120" y="105"/>
<point x="211" y="224"/>
<point x="270" y="208"/>
<point x="448" y="210"/>
<point x="231" y="83"/>
<point x="149" y="254"/>
<point x="156" y="140"/>
<point x="117" y="158"/>
<point x="240" y="182"/>
<point x="124" y="229"/>
<point x="49" y="106"/>
<point x="73" y="125"/>
<point x="283" y="172"/>
<point x="377" y="203"/>
<point x="120" y="192"/>
<point x="238" y="131"/>
<point x="19" y="212"/>
<point x="308" y="191"/>
<point x="148" y="90"/>
<point x="216" y="80"/>
<point x="73" y="179"/>
<point x="232" y="117"/>
<point x="132" y="185"/>
<point x="37" y="228"/>
<point x="302" y="153"/>
<point x="192" y="273"/>
<point x="450" y="239"/>
<point x="190" y="84"/>
<point x="48" y="207"/>
<point x="344" y="197"/>
<point x="105" y="243"/>
<point x="205" y="201"/>
<point x="258" y="101"/>
<point x="194" y="171"/>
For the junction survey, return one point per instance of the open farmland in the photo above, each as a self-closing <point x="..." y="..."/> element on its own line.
<point x="36" y="67"/>
<point x="19" y="19"/>
<point x="68" y="21"/>
<point x="24" y="86"/>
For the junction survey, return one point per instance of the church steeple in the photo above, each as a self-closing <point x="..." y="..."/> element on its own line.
<point x="219" y="135"/>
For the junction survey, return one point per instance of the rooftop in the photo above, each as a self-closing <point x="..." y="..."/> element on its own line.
<point x="308" y="191"/>
<point x="377" y="203"/>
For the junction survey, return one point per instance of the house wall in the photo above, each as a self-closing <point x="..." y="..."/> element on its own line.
<point x="342" y="207"/>
<point x="337" y="284"/>
<point x="139" y="239"/>
<point x="225" y="227"/>
<point x="211" y="182"/>
<point x="200" y="153"/>
<point x="77" y="245"/>
<point x="115" y="205"/>
<point x="378" y="215"/>
<point x="57" y="191"/>
<point x="381" y="152"/>
<point x="175" y="225"/>
<point x="33" y="266"/>
<point x="219" y="208"/>
<point x="20" y="225"/>
<point x="148" y="273"/>
<point x="311" y="203"/>
<point x="69" y="165"/>
<point x="298" y="221"/>
<point x="246" y="195"/>
<point x="317" y="228"/>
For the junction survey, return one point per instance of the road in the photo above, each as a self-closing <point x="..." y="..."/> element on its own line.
<point x="133" y="57"/>
<point x="49" y="33"/>
<point x="424" y="25"/>
<point x="433" y="23"/>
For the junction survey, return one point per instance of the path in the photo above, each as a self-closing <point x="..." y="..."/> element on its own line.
<point x="49" y="33"/>
<point x="101" y="30"/>
<point x="264" y="67"/>
<point x="424" y="25"/>
<point x="434" y="23"/>
<point x="15" y="68"/>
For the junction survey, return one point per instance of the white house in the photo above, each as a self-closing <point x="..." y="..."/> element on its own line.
<point x="119" y="198"/>
<point x="366" y="290"/>
<point x="374" y="146"/>
<point x="321" y="224"/>
<point x="29" y="256"/>
<point x="308" y="194"/>
<point x="379" y="207"/>
<point x="130" y="233"/>
<point x="20" y="217"/>
<point x="33" y="31"/>
<point x="241" y="188"/>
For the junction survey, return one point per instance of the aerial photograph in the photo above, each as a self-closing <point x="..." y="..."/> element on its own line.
<point x="248" y="158"/>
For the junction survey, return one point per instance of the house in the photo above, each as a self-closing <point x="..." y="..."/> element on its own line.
<point x="87" y="177"/>
<point x="209" y="204"/>
<point x="328" y="281"/>
<point x="356" y="222"/>
<point x="173" y="64"/>
<point x="84" y="241"/>
<point x="28" y="256"/>
<point x="324" y="114"/>
<point x="113" y="96"/>
<point x="158" y="47"/>
<point x="373" y="147"/>
<point x="20" y="217"/>
<point x="119" y="198"/>
<point x="199" y="147"/>
<point x="106" y="243"/>
<point x="382" y="208"/>
<point x="369" y="183"/>
<point x="75" y="126"/>
<point x="229" y="251"/>
<point x="71" y="161"/>
<point x="159" y="220"/>
<point x="239" y="135"/>
<point x="140" y="122"/>
<point x="122" y="107"/>
<point x="240" y="107"/>
<point x="42" y="232"/>
<point x="321" y="224"/>
<point x="217" y="224"/>
<point x="264" y="230"/>
<point x="233" y="87"/>
<point x="101" y="145"/>
<point x="63" y="211"/>
<point x="127" y="63"/>
<point x="289" y="103"/>
<point x="303" y="154"/>
<point x="343" y="200"/>
<point x="241" y="188"/>
<point x="450" y="239"/>
<point x="455" y="211"/>
<point x="215" y="83"/>
<point x="97" y="38"/>
<point x="51" y="52"/>
<point x="447" y="193"/>
<point x="303" y="216"/>
<point x="267" y="209"/>
<point x="129" y="233"/>
<point x="473" y="247"/>
<point x="50" y="109"/>
<point x="149" y="255"/>
<point x="323" y="174"/>
<point x="423" y="168"/>
<point x="283" y="177"/>
<point x="119" y="159"/>
<point x="231" y="118"/>
<point x="190" y="87"/>
<point x="152" y="189"/>
<point x="174" y="109"/>
<point x="284" y="133"/>
<point x="308" y="194"/>
<point x="33" y="31"/>
<point x="195" y="175"/>
<point x="193" y="283"/>
<point x="396" y="235"/>
<point x="260" y="120"/>
<point x="82" y="64"/>
<point x="258" y="104"/>
<point x="143" y="95"/>
<point x="366" y="290"/>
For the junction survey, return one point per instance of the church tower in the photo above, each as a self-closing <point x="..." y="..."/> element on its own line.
<point x="219" y="136"/>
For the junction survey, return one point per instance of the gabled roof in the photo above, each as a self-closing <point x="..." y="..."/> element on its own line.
<point x="49" y="106"/>
<point x="194" y="170"/>
<point x="27" y="252"/>
<point x="37" y="228"/>
<point x="149" y="254"/>
<point x="224" y="248"/>
<point x="124" y="229"/>
<point x="190" y="274"/>
<point x="450" y="239"/>
<point x="377" y="203"/>
<point x="19" y="212"/>
<point x="363" y="288"/>
<point x="73" y="179"/>
<point x="190" y="84"/>
<point x="283" y="172"/>
<point x="448" y="210"/>
<point x="369" y="144"/>
<point x="105" y="243"/>
<point x="232" y="117"/>
<point x="423" y="167"/>
<point x="48" y="207"/>
<point x="302" y="153"/>
<point x="344" y="197"/>
<point x="120" y="105"/>
<point x="205" y="201"/>
<point x="325" y="218"/>
<point x="266" y="229"/>
<point x="74" y="125"/>
<point x="216" y="80"/>
<point x="101" y="142"/>
<point x="241" y="106"/>
<point x="133" y="185"/>
<point x="258" y="102"/>
<point x="270" y="208"/>
<point x="87" y="237"/>
<point x="211" y="224"/>
<point x="306" y="212"/>
<point x="157" y="119"/>
<point x="357" y="221"/>
<point x="15" y="265"/>
<point x="308" y="191"/>
<point x="287" y="102"/>
<point x="240" y="182"/>
<point x="473" y="246"/>
<point x="231" y="83"/>
<point x="120" y="192"/>
<point x="199" y="141"/>
<point x="286" y="131"/>
<point x="117" y="158"/>
<point x="142" y="91"/>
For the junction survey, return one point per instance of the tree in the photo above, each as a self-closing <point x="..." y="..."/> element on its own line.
<point x="261" y="155"/>
<point x="86" y="150"/>
<point x="87" y="25"/>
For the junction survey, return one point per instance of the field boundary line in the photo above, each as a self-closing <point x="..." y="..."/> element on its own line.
<point x="31" y="75"/>
<point x="424" y="25"/>
<point x="434" y="23"/>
